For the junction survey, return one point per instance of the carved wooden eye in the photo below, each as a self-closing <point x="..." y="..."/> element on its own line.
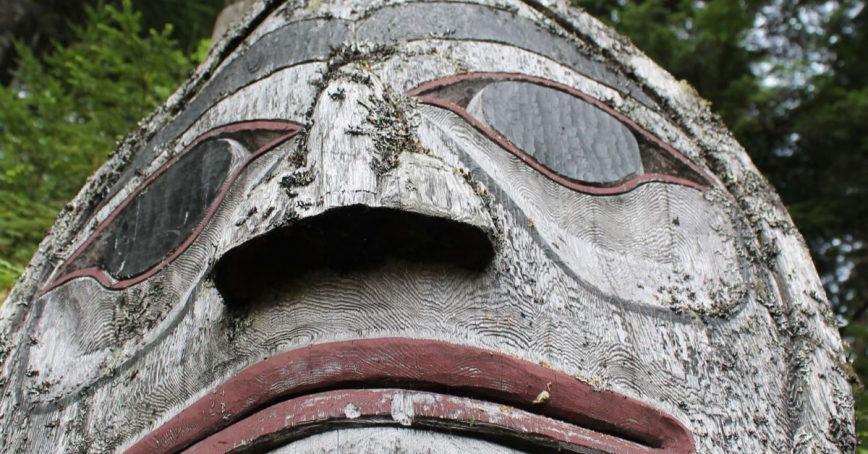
<point x="164" y="215"/>
<point x="563" y="133"/>
<point x="160" y="217"/>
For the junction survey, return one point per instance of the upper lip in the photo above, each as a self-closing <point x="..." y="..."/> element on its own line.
<point x="607" y="420"/>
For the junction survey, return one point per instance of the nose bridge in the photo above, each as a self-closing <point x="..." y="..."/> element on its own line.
<point x="363" y="148"/>
<point x="341" y="142"/>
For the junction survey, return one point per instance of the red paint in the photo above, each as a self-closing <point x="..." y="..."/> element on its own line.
<point x="320" y="412"/>
<point x="102" y="277"/>
<point x="421" y="364"/>
<point x="527" y="159"/>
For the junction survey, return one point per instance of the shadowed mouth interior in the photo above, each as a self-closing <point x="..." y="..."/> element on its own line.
<point x="347" y="239"/>
<point x="429" y="385"/>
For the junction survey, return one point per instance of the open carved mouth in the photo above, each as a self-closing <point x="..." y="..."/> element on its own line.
<point x="420" y="383"/>
<point x="347" y="238"/>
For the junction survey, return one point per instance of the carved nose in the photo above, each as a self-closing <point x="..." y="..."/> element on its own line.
<point x="378" y="193"/>
<point x="343" y="143"/>
<point x="363" y="146"/>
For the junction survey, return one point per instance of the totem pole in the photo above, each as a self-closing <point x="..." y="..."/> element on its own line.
<point x="369" y="226"/>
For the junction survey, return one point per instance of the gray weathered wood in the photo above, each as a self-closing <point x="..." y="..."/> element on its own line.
<point x="393" y="441"/>
<point x="702" y="303"/>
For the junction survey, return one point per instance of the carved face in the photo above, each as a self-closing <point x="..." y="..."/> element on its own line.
<point x="440" y="227"/>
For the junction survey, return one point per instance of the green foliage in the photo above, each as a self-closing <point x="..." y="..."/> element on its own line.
<point x="65" y="112"/>
<point x="194" y="19"/>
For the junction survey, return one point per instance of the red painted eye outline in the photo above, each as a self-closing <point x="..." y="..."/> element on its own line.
<point x="692" y="175"/>
<point x="277" y="132"/>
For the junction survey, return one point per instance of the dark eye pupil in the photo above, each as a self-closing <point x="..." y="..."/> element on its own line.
<point x="562" y="132"/>
<point x="167" y="211"/>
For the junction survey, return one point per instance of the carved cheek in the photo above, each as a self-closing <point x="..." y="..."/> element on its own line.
<point x="645" y="237"/>
<point x="128" y="286"/>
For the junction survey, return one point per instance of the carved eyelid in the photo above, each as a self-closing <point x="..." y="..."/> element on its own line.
<point x="662" y="163"/>
<point x="257" y="137"/>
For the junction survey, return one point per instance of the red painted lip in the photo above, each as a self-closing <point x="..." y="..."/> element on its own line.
<point x="310" y="389"/>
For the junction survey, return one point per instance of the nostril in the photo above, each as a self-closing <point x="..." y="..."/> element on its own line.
<point x="347" y="239"/>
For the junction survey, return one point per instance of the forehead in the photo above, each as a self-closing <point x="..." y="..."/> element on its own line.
<point x="272" y="72"/>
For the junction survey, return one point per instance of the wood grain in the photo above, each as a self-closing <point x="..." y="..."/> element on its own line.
<point x="703" y="304"/>
<point x="376" y="441"/>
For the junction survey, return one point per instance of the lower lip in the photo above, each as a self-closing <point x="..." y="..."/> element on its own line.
<point x="336" y="385"/>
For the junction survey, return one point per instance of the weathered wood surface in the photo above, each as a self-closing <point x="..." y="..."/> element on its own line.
<point x="377" y="441"/>
<point x="701" y="303"/>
